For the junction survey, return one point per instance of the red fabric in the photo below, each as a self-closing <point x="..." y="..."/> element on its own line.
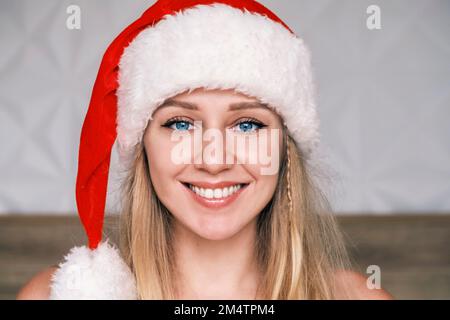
<point x="99" y="128"/>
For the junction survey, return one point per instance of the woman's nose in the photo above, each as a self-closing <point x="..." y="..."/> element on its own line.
<point x="213" y="169"/>
<point x="213" y="157"/>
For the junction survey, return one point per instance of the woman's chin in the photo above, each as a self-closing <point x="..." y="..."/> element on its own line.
<point x="214" y="232"/>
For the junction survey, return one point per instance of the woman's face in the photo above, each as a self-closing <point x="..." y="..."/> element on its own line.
<point x="214" y="157"/>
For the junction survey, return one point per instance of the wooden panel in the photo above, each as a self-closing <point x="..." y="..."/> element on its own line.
<point x="412" y="251"/>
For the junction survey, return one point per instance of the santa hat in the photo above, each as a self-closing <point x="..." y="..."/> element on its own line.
<point x="175" y="46"/>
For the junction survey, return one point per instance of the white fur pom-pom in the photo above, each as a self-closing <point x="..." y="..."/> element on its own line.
<point x="93" y="274"/>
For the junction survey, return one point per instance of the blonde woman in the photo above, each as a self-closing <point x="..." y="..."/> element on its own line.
<point x="199" y="219"/>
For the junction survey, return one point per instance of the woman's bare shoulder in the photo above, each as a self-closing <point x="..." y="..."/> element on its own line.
<point x="353" y="285"/>
<point x="38" y="287"/>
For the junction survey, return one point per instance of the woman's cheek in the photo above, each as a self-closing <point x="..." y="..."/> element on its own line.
<point x="158" y="155"/>
<point x="266" y="182"/>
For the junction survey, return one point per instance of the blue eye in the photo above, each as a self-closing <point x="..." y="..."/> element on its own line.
<point x="249" y="126"/>
<point x="180" y="125"/>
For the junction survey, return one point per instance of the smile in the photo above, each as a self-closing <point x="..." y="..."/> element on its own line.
<point x="215" y="195"/>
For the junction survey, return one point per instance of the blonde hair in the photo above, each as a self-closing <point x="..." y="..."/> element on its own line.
<point x="299" y="247"/>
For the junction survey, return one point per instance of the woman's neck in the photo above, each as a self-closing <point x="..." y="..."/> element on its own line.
<point x="216" y="269"/>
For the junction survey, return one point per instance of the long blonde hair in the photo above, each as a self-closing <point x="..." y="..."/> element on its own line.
<point x="299" y="247"/>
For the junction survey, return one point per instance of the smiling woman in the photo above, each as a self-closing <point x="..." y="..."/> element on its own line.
<point x="213" y="207"/>
<point x="206" y="228"/>
<point x="225" y="231"/>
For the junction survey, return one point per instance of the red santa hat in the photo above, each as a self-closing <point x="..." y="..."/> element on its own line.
<point x="173" y="47"/>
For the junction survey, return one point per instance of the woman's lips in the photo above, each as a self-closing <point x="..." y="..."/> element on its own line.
<point x="215" y="203"/>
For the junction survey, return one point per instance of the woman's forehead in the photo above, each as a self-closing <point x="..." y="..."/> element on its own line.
<point x="218" y="99"/>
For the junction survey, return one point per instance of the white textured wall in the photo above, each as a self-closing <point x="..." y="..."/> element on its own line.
<point x="384" y="98"/>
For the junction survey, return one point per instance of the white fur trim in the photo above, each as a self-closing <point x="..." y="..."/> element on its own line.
<point x="93" y="274"/>
<point x="216" y="46"/>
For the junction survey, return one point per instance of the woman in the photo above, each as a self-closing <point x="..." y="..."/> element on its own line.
<point x="194" y="77"/>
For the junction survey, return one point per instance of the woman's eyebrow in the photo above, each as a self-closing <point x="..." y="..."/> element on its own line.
<point x="176" y="103"/>
<point x="247" y="105"/>
<point x="232" y="107"/>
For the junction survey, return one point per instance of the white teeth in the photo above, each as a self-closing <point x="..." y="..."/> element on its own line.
<point x="215" y="193"/>
<point x="209" y="193"/>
